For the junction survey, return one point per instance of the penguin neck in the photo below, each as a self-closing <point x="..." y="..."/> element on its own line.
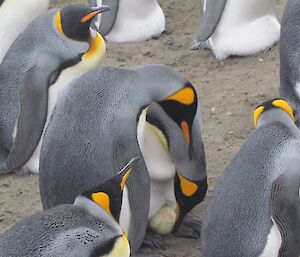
<point x="277" y="115"/>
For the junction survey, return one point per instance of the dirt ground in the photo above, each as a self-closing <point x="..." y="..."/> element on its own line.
<point x="229" y="92"/>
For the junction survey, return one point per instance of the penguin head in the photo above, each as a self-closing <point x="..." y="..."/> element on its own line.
<point x="177" y="118"/>
<point x="109" y="194"/>
<point x="276" y="109"/>
<point x="74" y="21"/>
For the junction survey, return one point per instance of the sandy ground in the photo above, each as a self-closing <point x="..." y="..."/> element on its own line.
<point x="229" y="92"/>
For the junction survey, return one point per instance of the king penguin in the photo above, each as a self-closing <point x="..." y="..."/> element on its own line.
<point x="255" y="207"/>
<point x="109" y="113"/>
<point x="129" y="20"/>
<point x="239" y="28"/>
<point x="54" y="49"/>
<point x="87" y="228"/>
<point x="290" y="56"/>
<point x="15" y="16"/>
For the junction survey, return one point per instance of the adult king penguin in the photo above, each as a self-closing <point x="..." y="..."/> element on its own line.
<point x="129" y="20"/>
<point x="15" y="16"/>
<point x="255" y="207"/>
<point x="290" y="56"/>
<point x="109" y="114"/>
<point x="54" y="49"/>
<point x="234" y="27"/>
<point x="88" y="228"/>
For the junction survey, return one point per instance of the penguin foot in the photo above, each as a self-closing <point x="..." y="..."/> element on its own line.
<point x="190" y="228"/>
<point x="153" y="241"/>
<point x="195" y="45"/>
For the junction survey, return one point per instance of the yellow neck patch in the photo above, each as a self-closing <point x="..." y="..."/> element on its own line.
<point x="58" y="23"/>
<point x="97" y="48"/>
<point x="188" y="188"/>
<point x="103" y="200"/>
<point x="284" y="106"/>
<point x="125" y="177"/>
<point x="121" y="248"/>
<point x="185" y="96"/>
<point x="257" y="114"/>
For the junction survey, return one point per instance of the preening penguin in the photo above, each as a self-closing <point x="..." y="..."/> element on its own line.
<point x="290" y="56"/>
<point x="129" y="20"/>
<point x="15" y="16"/>
<point x="88" y="228"/>
<point x="255" y="207"/>
<point x="234" y="27"/>
<point x="54" y="49"/>
<point x="149" y="111"/>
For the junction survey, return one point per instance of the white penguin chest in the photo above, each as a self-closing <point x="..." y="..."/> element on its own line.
<point x="15" y="16"/>
<point x="273" y="242"/>
<point x="137" y="20"/>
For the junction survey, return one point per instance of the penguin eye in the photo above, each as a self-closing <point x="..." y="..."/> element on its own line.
<point x="284" y="106"/>
<point x="184" y="96"/>
<point x="259" y="110"/>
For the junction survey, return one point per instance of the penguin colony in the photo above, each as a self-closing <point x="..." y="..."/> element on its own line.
<point x="120" y="152"/>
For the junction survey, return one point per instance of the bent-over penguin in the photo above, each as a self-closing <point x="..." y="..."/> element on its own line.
<point x="129" y="20"/>
<point x="88" y="228"/>
<point x="54" y="49"/>
<point x="234" y="27"/>
<point x="255" y="207"/>
<point x="109" y="114"/>
<point x="15" y="16"/>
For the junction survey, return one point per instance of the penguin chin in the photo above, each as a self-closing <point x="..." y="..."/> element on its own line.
<point x="163" y="221"/>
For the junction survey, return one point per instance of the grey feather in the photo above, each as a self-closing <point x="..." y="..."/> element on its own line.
<point x="290" y="55"/>
<point x="65" y="230"/>
<point x="40" y="45"/>
<point x="212" y="15"/>
<point x="238" y="218"/>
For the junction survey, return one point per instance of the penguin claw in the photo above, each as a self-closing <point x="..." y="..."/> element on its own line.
<point x="195" y="45"/>
<point x="153" y="241"/>
<point x="190" y="228"/>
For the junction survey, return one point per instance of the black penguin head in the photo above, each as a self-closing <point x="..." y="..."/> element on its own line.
<point x="74" y="21"/>
<point x="1" y="2"/>
<point x="271" y="104"/>
<point x="109" y="194"/>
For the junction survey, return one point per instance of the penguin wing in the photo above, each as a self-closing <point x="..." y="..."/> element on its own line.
<point x="286" y="211"/>
<point x="108" y="19"/>
<point x="33" y="98"/>
<point x="213" y="10"/>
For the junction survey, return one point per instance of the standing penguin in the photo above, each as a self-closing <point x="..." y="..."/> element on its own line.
<point x="290" y="56"/>
<point x="255" y="207"/>
<point x="129" y="20"/>
<point x="15" y="16"/>
<point x="110" y="114"/>
<point x="54" y="49"/>
<point x="234" y="27"/>
<point x="88" y="228"/>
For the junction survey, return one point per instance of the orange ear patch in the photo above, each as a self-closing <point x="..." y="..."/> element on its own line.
<point x="125" y="178"/>
<point x="188" y="188"/>
<point x="89" y="16"/>
<point x="186" y="131"/>
<point x="257" y="114"/>
<point x="184" y="96"/>
<point x="103" y="200"/>
<point x="284" y="106"/>
<point x="58" y="23"/>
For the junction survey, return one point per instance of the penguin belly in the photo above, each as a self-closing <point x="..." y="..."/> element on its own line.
<point x="246" y="27"/>
<point x="273" y="242"/>
<point x="162" y="211"/>
<point x="137" y="20"/>
<point x="15" y="16"/>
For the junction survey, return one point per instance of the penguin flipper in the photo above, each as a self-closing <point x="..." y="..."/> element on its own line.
<point x="33" y="97"/>
<point x="286" y="212"/>
<point x="108" y="19"/>
<point x="212" y="15"/>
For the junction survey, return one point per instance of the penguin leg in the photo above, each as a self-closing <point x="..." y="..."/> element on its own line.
<point x="190" y="228"/>
<point x="195" y="45"/>
<point x="153" y="241"/>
